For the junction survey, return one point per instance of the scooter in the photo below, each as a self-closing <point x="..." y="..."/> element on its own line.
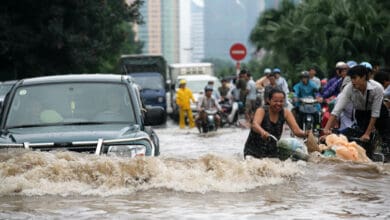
<point x="208" y="123"/>
<point x="309" y="115"/>
<point x="229" y="114"/>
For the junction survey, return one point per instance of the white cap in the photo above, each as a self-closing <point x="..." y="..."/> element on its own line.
<point x="341" y="64"/>
<point x="267" y="70"/>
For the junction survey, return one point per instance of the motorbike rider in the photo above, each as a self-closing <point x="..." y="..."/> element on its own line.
<point x="281" y="81"/>
<point x="272" y="85"/>
<point x="208" y="102"/>
<point x="224" y="90"/>
<point x="250" y="103"/>
<point x="216" y="93"/>
<point x="383" y="77"/>
<point x="313" y="77"/>
<point x="366" y="96"/>
<point x="303" y="89"/>
<point x="261" y="84"/>
<point x="332" y="87"/>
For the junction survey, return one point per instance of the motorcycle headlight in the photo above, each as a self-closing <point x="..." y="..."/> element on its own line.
<point x="126" y="150"/>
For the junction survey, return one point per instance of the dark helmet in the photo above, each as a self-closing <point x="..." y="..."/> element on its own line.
<point x="208" y="88"/>
<point x="305" y="74"/>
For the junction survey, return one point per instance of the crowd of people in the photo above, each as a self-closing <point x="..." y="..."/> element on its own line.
<point x="357" y="93"/>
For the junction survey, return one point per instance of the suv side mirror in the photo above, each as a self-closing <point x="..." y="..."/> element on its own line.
<point x="155" y="115"/>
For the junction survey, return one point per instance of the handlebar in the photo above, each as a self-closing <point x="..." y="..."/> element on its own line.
<point x="308" y="100"/>
<point x="211" y="111"/>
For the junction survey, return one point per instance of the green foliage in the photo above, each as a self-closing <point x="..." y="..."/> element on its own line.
<point x="321" y="32"/>
<point x="64" y="36"/>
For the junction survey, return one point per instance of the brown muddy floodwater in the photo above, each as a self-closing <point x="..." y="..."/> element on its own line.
<point x="196" y="177"/>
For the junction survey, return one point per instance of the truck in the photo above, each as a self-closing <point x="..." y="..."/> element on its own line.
<point x="197" y="75"/>
<point x="150" y="74"/>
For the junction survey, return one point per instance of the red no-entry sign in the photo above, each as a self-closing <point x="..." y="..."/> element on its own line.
<point x="237" y="51"/>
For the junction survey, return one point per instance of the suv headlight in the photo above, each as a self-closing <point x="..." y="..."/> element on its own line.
<point x="126" y="150"/>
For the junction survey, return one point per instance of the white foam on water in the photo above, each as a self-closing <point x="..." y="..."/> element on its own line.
<point x="67" y="173"/>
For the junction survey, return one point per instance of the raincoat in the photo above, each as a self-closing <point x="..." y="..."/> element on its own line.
<point x="183" y="100"/>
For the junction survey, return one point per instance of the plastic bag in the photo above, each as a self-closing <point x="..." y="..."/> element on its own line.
<point x="292" y="147"/>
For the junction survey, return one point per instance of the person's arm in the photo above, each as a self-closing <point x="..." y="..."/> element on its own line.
<point x="256" y="124"/>
<point x="192" y="96"/>
<point x="386" y="102"/>
<point x="200" y="105"/>
<point x="377" y="96"/>
<point x="218" y="106"/>
<point x="296" y="94"/>
<point x="329" y="124"/>
<point x="287" y="91"/>
<point x="316" y="91"/>
<point x="292" y="123"/>
<point x="370" y="128"/>
<point x="342" y="100"/>
<point x="330" y="88"/>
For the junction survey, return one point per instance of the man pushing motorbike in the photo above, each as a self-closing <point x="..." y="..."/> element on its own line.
<point x="208" y="103"/>
<point x="366" y="95"/>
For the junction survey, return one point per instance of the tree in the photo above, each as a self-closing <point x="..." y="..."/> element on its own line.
<point x="322" y="32"/>
<point x="63" y="36"/>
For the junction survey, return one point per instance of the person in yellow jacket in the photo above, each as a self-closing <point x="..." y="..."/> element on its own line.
<point x="183" y="98"/>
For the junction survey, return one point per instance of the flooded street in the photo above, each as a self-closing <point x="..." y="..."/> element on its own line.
<point x="195" y="177"/>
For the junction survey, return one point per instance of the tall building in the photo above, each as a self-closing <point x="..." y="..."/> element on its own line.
<point x="191" y="30"/>
<point x="150" y="32"/>
<point x="160" y="31"/>
<point x="197" y="30"/>
<point x="185" y="32"/>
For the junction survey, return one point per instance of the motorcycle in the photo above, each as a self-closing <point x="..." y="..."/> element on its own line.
<point x="229" y="114"/>
<point x="207" y="122"/>
<point x="309" y="115"/>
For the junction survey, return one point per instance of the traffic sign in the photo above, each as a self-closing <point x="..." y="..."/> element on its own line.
<point x="238" y="51"/>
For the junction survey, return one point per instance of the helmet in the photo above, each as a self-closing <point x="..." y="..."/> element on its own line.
<point x="182" y="81"/>
<point x="208" y="88"/>
<point x="267" y="71"/>
<point x="276" y="70"/>
<point x="243" y="71"/>
<point x="305" y="74"/>
<point x="351" y="63"/>
<point x="366" y="64"/>
<point x="340" y="64"/>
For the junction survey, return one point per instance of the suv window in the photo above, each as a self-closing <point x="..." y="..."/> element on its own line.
<point x="70" y="102"/>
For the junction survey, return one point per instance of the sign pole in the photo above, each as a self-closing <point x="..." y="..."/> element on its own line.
<point x="238" y="67"/>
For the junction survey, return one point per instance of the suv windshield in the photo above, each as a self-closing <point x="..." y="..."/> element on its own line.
<point x="71" y="103"/>
<point x="149" y="81"/>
